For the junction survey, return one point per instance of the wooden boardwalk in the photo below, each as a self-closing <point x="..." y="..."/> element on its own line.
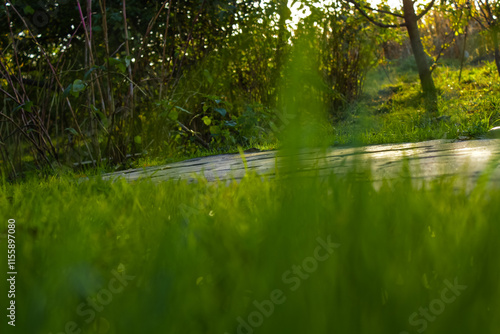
<point x="465" y="160"/>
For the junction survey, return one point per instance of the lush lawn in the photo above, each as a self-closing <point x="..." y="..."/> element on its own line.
<point x="282" y="256"/>
<point x="391" y="110"/>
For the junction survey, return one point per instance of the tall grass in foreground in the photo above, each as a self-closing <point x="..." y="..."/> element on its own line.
<point x="105" y="257"/>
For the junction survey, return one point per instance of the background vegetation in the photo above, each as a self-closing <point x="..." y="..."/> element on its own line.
<point x="102" y="81"/>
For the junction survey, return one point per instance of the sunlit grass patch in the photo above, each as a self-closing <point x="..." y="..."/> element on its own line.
<point x="391" y="110"/>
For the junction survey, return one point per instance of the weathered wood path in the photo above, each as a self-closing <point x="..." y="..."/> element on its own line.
<point x="465" y="160"/>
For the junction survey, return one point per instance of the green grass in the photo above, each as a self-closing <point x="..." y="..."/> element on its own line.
<point x="151" y="161"/>
<point x="204" y="255"/>
<point x="391" y="111"/>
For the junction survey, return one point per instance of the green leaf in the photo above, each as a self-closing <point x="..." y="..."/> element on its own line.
<point x="182" y="109"/>
<point x="28" y="10"/>
<point x="121" y="67"/>
<point x="78" y="86"/>
<point x="68" y="90"/>
<point x="173" y="115"/>
<point x="117" y="63"/>
<point x="221" y="111"/>
<point x="28" y="105"/>
<point x="214" y="130"/>
<point x="205" y="106"/>
<point x="72" y="131"/>
<point x="17" y="108"/>
<point x="208" y="76"/>
<point x="137" y="139"/>
<point x="230" y="123"/>
<point x="207" y="120"/>
<point x="102" y="117"/>
<point x="92" y="69"/>
<point x="113" y="61"/>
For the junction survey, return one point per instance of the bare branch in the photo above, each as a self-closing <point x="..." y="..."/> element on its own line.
<point x="479" y="21"/>
<point x="25" y="134"/>
<point x="7" y="94"/>
<point x="384" y="11"/>
<point x="426" y="10"/>
<point x="146" y="35"/>
<point x="372" y="20"/>
<point x="486" y="15"/>
<point x="202" y="142"/>
<point x="441" y="52"/>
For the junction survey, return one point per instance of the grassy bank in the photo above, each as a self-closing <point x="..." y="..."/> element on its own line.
<point x="282" y="256"/>
<point x="391" y="110"/>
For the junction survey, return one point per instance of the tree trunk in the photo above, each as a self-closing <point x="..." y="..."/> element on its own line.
<point x="275" y="83"/>
<point x="424" y="72"/>
<point x="494" y="35"/>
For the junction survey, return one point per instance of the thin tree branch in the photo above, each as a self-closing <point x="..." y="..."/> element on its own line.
<point x="167" y="26"/>
<point x="372" y="20"/>
<point x="185" y="128"/>
<point x="426" y="10"/>
<point x="384" y="11"/>
<point x="441" y="52"/>
<point x="7" y="94"/>
<point x="44" y="53"/>
<point x="35" y="145"/>
<point x="146" y="35"/>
